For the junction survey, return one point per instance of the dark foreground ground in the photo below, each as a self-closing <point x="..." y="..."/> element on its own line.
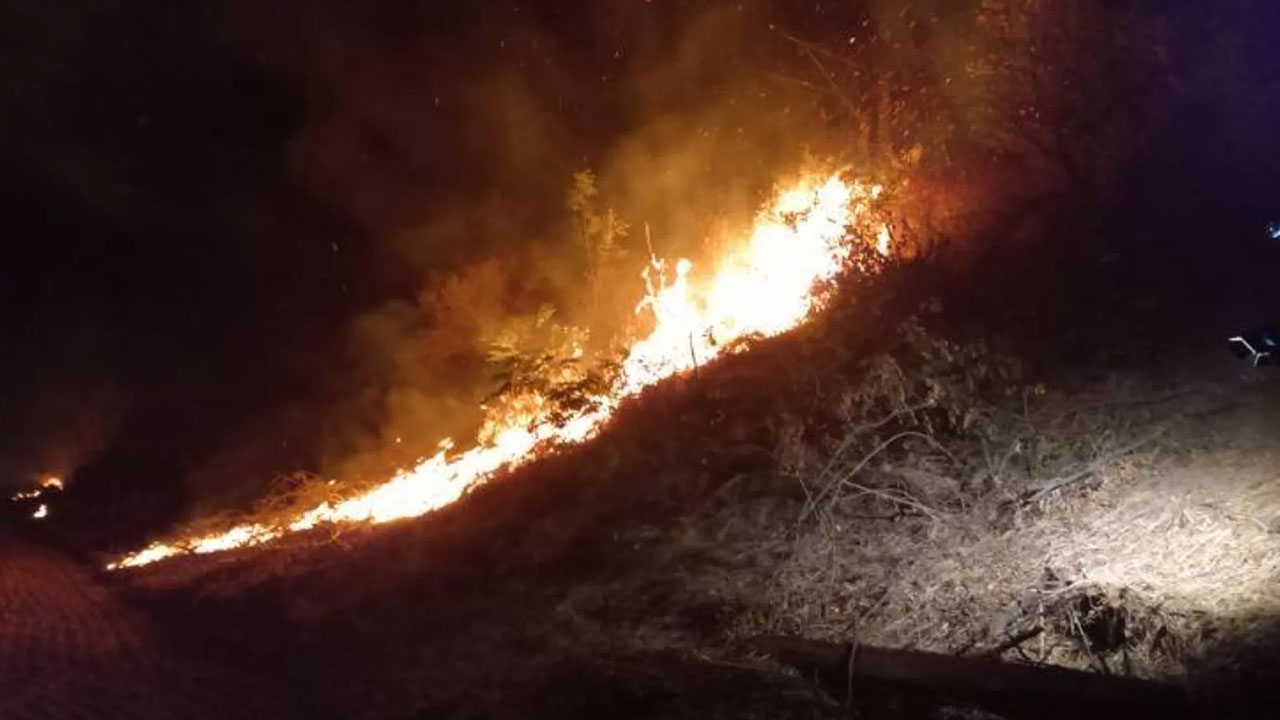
<point x="73" y="646"/>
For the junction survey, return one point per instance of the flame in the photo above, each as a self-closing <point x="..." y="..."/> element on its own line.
<point x="765" y="287"/>
<point x="41" y="512"/>
<point x="51" y="482"/>
<point x="884" y="240"/>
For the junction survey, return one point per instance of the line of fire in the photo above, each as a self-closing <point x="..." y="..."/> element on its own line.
<point x="889" y="359"/>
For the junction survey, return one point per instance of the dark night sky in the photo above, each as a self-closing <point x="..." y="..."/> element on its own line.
<point x="146" y="276"/>
<point x="198" y="197"/>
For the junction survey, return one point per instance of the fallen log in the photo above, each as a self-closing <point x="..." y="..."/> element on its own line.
<point x="852" y="673"/>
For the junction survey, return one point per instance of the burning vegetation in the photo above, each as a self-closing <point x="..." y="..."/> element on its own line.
<point x="37" y="496"/>
<point x="808" y="235"/>
<point x="867" y="330"/>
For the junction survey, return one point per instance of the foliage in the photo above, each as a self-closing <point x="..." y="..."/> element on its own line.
<point x="943" y="387"/>
<point x="541" y="367"/>
<point x="1065" y="86"/>
<point x="544" y="368"/>
<point x="1063" y="82"/>
<point x="598" y="231"/>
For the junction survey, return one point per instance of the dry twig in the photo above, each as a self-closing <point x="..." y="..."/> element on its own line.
<point x="830" y="491"/>
<point x="1039" y="489"/>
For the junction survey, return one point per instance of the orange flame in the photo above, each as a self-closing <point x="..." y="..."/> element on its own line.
<point x="764" y="288"/>
<point x="51" y="482"/>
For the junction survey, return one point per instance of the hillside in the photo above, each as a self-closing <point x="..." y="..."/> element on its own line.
<point x="858" y="478"/>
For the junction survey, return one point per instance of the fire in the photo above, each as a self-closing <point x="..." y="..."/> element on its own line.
<point x="41" y="512"/>
<point x="765" y="287"/>
<point x="50" y="482"/>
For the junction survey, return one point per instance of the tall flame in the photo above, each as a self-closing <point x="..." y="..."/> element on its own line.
<point x="765" y="287"/>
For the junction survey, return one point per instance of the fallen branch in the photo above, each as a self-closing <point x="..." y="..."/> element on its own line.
<point x="1041" y="488"/>
<point x="1009" y="689"/>
<point x="900" y="497"/>
<point x="1012" y="642"/>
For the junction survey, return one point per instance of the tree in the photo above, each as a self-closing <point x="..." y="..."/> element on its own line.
<point x="598" y="232"/>
<point x="882" y="76"/>
<point x="1064" y="83"/>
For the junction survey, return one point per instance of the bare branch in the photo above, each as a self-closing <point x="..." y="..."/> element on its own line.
<point x="830" y="490"/>
<point x="1041" y="488"/>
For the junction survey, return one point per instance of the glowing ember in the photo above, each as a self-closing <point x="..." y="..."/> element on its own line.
<point x="765" y="287"/>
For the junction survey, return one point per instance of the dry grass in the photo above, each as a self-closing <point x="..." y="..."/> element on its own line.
<point x="1157" y="563"/>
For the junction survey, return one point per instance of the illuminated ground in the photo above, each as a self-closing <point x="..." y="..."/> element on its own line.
<point x="1181" y="537"/>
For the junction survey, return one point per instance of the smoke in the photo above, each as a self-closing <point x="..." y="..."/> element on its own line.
<point x="452" y="151"/>
<point x="450" y="141"/>
<point x="308" y="234"/>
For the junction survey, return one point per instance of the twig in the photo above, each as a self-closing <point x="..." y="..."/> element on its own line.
<point x="904" y="499"/>
<point x="800" y="83"/>
<point x="694" y="357"/>
<point x="911" y="410"/>
<point x="1084" y="640"/>
<point x="1012" y="642"/>
<point x="1042" y="488"/>
<point x="813" y="47"/>
<point x="858" y="431"/>
<point x="828" y="488"/>
<point x="831" y="81"/>
<point x="832" y="488"/>
<point x="997" y="469"/>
